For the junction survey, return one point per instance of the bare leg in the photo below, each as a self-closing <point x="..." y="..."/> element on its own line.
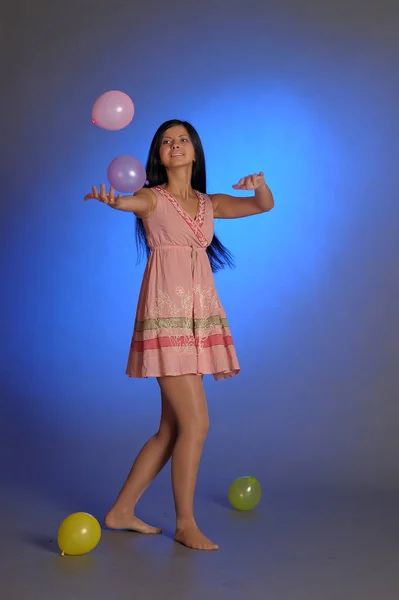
<point x="186" y="396"/>
<point x="150" y="461"/>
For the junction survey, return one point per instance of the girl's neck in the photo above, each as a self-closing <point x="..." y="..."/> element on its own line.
<point x="179" y="182"/>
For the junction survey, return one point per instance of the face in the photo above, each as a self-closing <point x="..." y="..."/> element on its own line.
<point x="176" y="148"/>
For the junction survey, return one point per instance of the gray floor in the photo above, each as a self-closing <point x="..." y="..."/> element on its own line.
<point x="296" y="546"/>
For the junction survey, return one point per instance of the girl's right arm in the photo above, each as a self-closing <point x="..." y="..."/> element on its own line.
<point x="141" y="204"/>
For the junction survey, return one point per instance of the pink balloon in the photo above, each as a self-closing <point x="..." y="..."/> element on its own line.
<point x="112" y="110"/>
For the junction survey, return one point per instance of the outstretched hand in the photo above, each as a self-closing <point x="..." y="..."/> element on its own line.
<point x="109" y="198"/>
<point x="250" y="182"/>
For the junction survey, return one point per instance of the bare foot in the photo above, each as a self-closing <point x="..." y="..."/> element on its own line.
<point x="130" y="522"/>
<point x="192" y="537"/>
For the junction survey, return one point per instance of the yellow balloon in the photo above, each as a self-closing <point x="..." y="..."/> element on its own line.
<point x="78" y="534"/>
<point x="245" y="493"/>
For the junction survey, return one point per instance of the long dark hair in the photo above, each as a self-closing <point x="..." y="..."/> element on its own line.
<point x="219" y="256"/>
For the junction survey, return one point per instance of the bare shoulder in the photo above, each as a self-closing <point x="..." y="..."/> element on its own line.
<point x="145" y="193"/>
<point x="216" y="199"/>
<point x="148" y="196"/>
<point x="213" y="198"/>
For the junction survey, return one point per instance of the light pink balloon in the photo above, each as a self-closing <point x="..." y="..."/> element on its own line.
<point x="113" y="110"/>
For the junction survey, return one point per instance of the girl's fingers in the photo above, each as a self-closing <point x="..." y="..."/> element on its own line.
<point x="249" y="182"/>
<point x="111" y="195"/>
<point x="103" y="195"/>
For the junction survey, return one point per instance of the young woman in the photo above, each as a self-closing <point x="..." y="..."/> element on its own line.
<point x="180" y="332"/>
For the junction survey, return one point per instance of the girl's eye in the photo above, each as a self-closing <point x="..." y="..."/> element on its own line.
<point x="181" y="139"/>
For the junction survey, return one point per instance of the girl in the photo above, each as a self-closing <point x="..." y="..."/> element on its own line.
<point x="180" y="332"/>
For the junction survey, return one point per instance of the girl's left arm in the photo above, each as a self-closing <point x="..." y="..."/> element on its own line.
<point x="231" y="207"/>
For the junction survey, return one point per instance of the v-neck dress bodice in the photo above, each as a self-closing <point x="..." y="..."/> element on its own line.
<point x="180" y="326"/>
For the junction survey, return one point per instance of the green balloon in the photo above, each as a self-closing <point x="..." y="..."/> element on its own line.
<point x="245" y="493"/>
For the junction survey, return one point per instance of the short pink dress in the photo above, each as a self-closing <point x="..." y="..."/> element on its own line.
<point x="180" y="327"/>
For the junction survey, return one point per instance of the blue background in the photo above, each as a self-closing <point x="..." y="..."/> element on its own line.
<point x="305" y="92"/>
